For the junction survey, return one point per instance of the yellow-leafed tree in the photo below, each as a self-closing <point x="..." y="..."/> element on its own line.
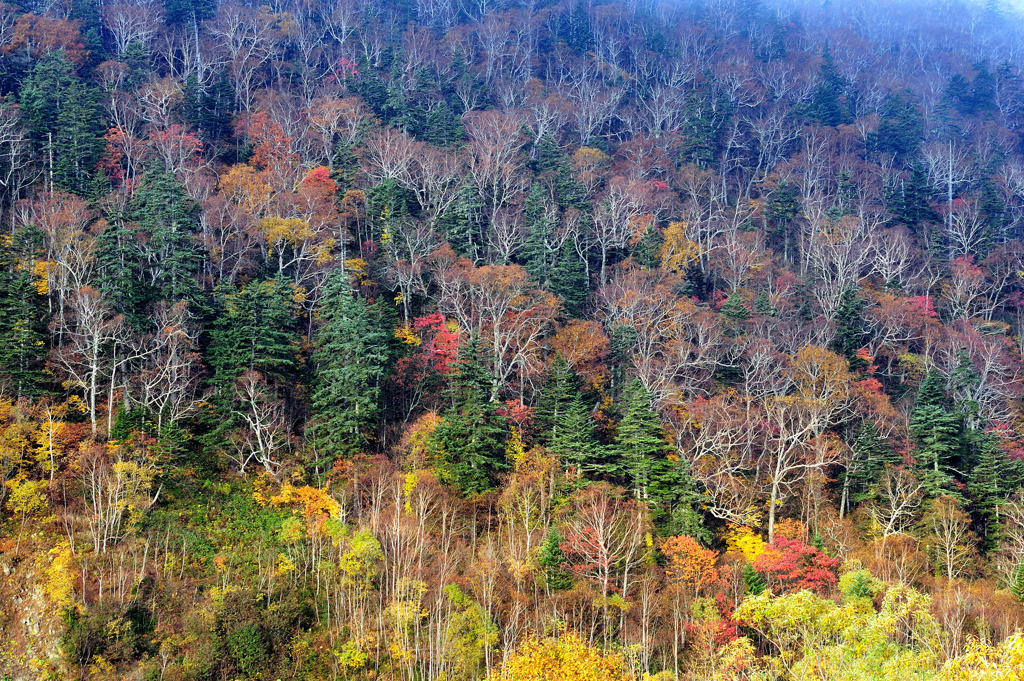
<point x="567" y="658"/>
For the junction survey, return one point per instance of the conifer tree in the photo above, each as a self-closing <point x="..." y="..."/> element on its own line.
<point x="536" y="253"/>
<point x="255" y="332"/>
<point x="828" y="104"/>
<point x="560" y="389"/>
<point x="22" y="333"/>
<point x="168" y="217"/>
<point x="936" y="435"/>
<point x="642" y="456"/>
<point x="469" y="443"/>
<point x="871" y="457"/>
<point x="120" y="276"/>
<point x="65" y="122"/>
<point x="552" y="561"/>
<point x="991" y="479"/>
<point x="850" y="334"/>
<point x="351" y="359"/>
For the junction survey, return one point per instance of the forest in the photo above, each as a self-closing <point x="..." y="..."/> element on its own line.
<point x="511" y="340"/>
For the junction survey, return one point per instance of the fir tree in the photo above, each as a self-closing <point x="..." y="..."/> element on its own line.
<point x="23" y="345"/>
<point x="579" y="36"/>
<point x="871" y="457"/>
<point x="168" y="217"/>
<point x="560" y="389"/>
<point x="753" y="583"/>
<point x="351" y="359"/>
<point x="469" y="443"/>
<point x="850" y="333"/>
<point x="255" y="332"/>
<point x="120" y="271"/>
<point x="565" y="422"/>
<point x="640" y="451"/>
<point x="991" y="479"/>
<point x="552" y="561"/>
<point x="936" y="435"/>
<point x="65" y="122"/>
<point x="537" y="253"/>
<point x="734" y="309"/>
<point x="900" y="130"/>
<point x="763" y="305"/>
<point x="828" y="104"/>
<point x="569" y="279"/>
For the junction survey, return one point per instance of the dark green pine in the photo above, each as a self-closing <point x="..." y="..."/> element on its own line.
<point x="255" y="332"/>
<point x="351" y="360"/>
<point x="120" y="264"/>
<point x="936" y="436"/>
<point x="552" y="561"/>
<point x="21" y="316"/>
<point x="469" y="443"/>
<point x="850" y="333"/>
<point x="871" y="457"/>
<point x="640" y="448"/>
<point x="991" y="479"/>
<point x="169" y="219"/>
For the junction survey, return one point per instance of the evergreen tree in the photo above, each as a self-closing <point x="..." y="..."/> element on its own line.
<point x="579" y="37"/>
<point x="255" y="332"/>
<point x="871" y="457"/>
<point x="991" y="480"/>
<point x="936" y="435"/>
<point x="646" y="250"/>
<point x="23" y="346"/>
<point x="641" y="454"/>
<point x="552" y="561"/>
<point x="850" y="333"/>
<point x="351" y="359"/>
<point x="565" y="422"/>
<point x="442" y="127"/>
<point x="753" y="583"/>
<point x="763" y="305"/>
<point x="65" y="122"/>
<point x="900" y="130"/>
<point x="909" y="199"/>
<point x="734" y="309"/>
<point x="561" y="387"/>
<point x="168" y="217"/>
<point x="537" y="253"/>
<point x="120" y="264"/>
<point x="828" y="104"/>
<point x="469" y="443"/>
<point x="783" y="206"/>
<point x="569" y="280"/>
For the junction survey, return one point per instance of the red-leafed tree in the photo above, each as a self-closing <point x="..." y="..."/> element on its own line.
<point x="791" y="565"/>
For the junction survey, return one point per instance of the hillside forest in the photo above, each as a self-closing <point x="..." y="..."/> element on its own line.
<point x="511" y="340"/>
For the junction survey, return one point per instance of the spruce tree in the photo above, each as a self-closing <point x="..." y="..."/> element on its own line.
<point x="991" y="479"/>
<point x="871" y="457"/>
<point x="936" y="435"/>
<point x="351" y="359"/>
<point x="569" y="279"/>
<point x="538" y="253"/>
<point x="574" y="440"/>
<point x="255" y="332"/>
<point x="850" y="333"/>
<point x="469" y="442"/>
<point x="65" y="122"/>
<point x="561" y="387"/>
<point x="640" y="450"/>
<point x="828" y="104"/>
<point x="23" y="334"/>
<point x="552" y="561"/>
<point x="120" y="264"/>
<point x="168" y="217"/>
